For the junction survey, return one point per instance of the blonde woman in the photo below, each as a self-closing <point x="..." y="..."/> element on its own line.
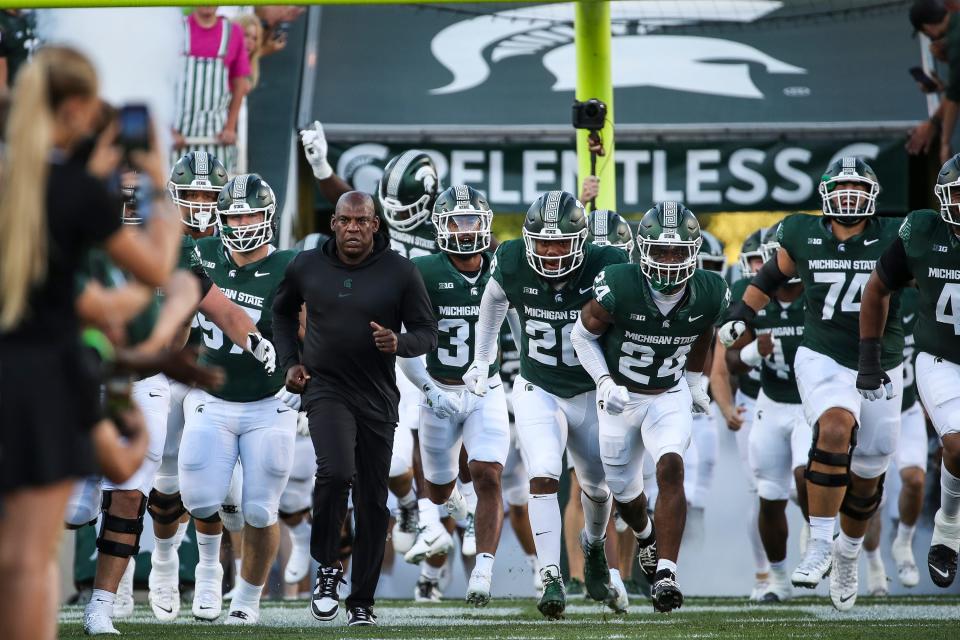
<point x="51" y="211"/>
<point x="253" y="39"/>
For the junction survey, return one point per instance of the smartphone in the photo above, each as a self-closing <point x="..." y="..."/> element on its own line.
<point x="925" y="81"/>
<point x="134" y="124"/>
<point x="281" y="30"/>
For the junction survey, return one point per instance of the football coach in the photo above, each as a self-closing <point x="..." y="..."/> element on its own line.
<point x="358" y="294"/>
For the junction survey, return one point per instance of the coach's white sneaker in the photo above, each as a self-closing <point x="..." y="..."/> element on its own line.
<point x="298" y="565"/>
<point x="208" y="592"/>
<point x="876" y="577"/>
<point x="432" y="539"/>
<point x="241" y="614"/>
<point x="907" y="570"/>
<point x="96" y="623"/>
<point x="164" y="584"/>
<point x="469" y="545"/>
<point x="457" y="505"/>
<point x="123" y="604"/>
<point x="815" y="565"/>
<point x="478" y="591"/>
<point x="843" y="581"/>
<point x="618" y="601"/>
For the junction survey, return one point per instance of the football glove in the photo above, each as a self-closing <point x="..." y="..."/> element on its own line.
<point x="443" y="403"/>
<point x="873" y="383"/>
<point x="303" y="424"/>
<point x="476" y="378"/>
<point x="701" y="401"/>
<point x="738" y="320"/>
<point x="262" y="349"/>
<point x="292" y="400"/>
<point x="315" y="149"/>
<point x="611" y="397"/>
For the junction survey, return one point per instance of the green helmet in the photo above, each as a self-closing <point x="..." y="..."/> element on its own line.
<point x="948" y="189"/>
<point x="246" y="194"/>
<point x="606" y="227"/>
<point x="770" y="244"/>
<point x="462" y="219"/>
<point x="848" y="205"/>
<point x="751" y="249"/>
<point x="195" y="173"/>
<point x="668" y="240"/>
<point x="407" y="189"/>
<point x="556" y="216"/>
<point x="711" y="256"/>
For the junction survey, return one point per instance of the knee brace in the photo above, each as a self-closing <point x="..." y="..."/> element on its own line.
<point x="232" y="517"/>
<point x="831" y="459"/>
<point x="286" y="515"/>
<point x="210" y="518"/>
<point x="860" y="508"/>
<point x="165" y="509"/>
<point x="120" y="525"/>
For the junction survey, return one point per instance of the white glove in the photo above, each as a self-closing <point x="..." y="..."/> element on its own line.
<point x="611" y="397"/>
<point x="701" y="401"/>
<point x="750" y="355"/>
<point x="288" y="398"/>
<point x="443" y="403"/>
<point x="315" y="149"/>
<point x="731" y="331"/>
<point x="262" y="349"/>
<point x="303" y="424"/>
<point x="476" y="378"/>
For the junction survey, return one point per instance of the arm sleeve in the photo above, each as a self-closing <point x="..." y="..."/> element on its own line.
<point x="516" y="330"/>
<point x="588" y="351"/>
<point x="416" y="312"/>
<point x="493" y="308"/>
<point x="415" y="371"/>
<point x="893" y="268"/>
<point x="286" y="317"/>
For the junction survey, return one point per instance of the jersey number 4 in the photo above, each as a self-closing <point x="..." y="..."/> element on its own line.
<point x="851" y="299"/>
<point x="948" y="306"/>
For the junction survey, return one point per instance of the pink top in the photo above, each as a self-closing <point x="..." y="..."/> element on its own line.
<point x="205" y="43"/>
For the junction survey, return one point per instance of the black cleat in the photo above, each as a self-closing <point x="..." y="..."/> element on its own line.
<point x="942" y="563"/>
<point x="666" y="593"/>
<point x="647" y="554"/>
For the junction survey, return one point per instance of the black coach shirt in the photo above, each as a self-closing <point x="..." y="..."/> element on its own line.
<point x="342" y="300"/>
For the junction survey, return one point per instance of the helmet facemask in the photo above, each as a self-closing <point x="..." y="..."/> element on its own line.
<point x="747" y="268"/>
<point x="668" y="261"/>
<point x="405" y="217"/>
<point x="846" y="204"/>
<point x="246" y="237"/>
<point x="949" y="197"/>
<point x="555" y="266"/>
<point x="463" y="231"/>
<point x="195" y="213"/>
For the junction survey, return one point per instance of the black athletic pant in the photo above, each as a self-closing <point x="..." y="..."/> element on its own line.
<point x="352" y="452"/>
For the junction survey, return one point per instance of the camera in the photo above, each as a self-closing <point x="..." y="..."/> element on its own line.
<point x="133" y="121"/>
<point x="589" y="115"/>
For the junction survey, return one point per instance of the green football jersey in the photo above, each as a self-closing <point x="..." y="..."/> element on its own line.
<point x="100" y="268"/>
<point x="419" y="241"/>
<point x="834" y="274"/>
<point x="252" y="288"/>
<point x="456" y="305"/>
<point x="785" y="323"/>
<point x="645" y="349"/>
<point x="189" y="259"/>
<point x="933" y="256"/>
<point x="548" y="313"/>
<point x="908" y="308"/>
<point x="748" y="383"/>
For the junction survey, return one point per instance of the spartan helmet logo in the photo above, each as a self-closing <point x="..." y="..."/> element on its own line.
<point x="427" y="178"/>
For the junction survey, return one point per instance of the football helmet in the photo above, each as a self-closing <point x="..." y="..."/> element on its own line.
<point x="196" y="173"/>
<point x="843" y="203"/>
<point x="407" y="189"/>
<point x="749" y="250"/>
<point x="245" y="195"/>
<point x="668" y="240"/>
<point x="555" y="217"/>
<point x="128" y="196"/>
<point x="948" y="190"/>
<point x="711" y="256"/>
<point x="769" y="246"/>
<point x="606" y="227"/>
<point x="462" y="219"/>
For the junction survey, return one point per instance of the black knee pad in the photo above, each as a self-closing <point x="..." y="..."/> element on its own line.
<point x="211" y="519"/>
<point x="860" y="508"/>
<point x="120" y="525"/>
<point x="286" y="515"/>
<point x="831" y="459"/>
<point x="165" y="509"/>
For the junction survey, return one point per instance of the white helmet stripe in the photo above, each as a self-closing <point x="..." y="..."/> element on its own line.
<point x="393" y="184"/>
<point x="600" y="225"/>
<point x="551" y="209"/>
<point x="201" y="163"/>
<point x="240" y="187"/>
<point x="463" y="196"/>
<point x="670" y="214"/>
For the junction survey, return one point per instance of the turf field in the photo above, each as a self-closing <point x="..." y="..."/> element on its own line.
<point x="911" y="618"/>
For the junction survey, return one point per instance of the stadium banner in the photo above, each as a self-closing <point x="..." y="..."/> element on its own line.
<point x="772" y="175"/>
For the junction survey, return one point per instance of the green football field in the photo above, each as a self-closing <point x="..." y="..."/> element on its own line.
<point x="909" y="618"/>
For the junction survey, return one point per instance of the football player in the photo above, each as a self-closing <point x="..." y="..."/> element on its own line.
<point x="780" y="435"/>
<point x="927" y="251"/>
<point x="243" y="419"/>
<point x="455" y="279"/>
<point x="547" y="276"/>
<point x="608" y="228"/>
<point x="833" y="256"/>
<point x="656" y="320"/>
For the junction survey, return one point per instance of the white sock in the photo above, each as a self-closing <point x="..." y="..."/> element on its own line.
<point x="596" y="515"/>
<point x="470" y="495"/>
<point x="208" y="548"/>
<point x="163" y="548"/>
<point x="430" y="572"/>
<point x="407" y="500"/>
<point x="237" y="563"/>
<point x="873" y="557"/>
<point x="429" y="514"/>
<point x="544" y="512"/>
<point x="849" y="547"/>
<point x="666" y="564"/>
<point x="534" y="563"/>
<point x="300" y="533"/>
<point x="760" y="562"/>
<point x="779" y="567"/>
<point x="647" y="530"/>
<point x="822" y="528"/>
<point x="484" y="563"/>
<point x="102" y="601"/>
<point x="949" y="494"/>
<point x="246" y="593"/>
<point x="180" y="534"/>
<point x="905" y="533"/>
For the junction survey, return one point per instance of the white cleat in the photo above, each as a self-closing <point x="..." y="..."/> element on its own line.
<point x="164" y="583"/>
<point x="815" y="565"/>
<point x="844" y="581"/>
<point x="298" y="565"/>
<point x="432" y="540"/>
<point x="760" y="587"/>
<point x="242" y="615"/>
<point x="469" y="545"/>
<point x="98" y="623"/>
<point x="907" y="569"/>
<point x="427" y="590"/>
<point x="778" y="587"/>
<point x="478" y="591"/>
<point x="404" y="532"/>
<point x="123" y="604"/>
<point x="620" y="601"/>
<point x="877" y="579"/>
<point x="208" y="592"/>
<point x="457" y="506"/>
